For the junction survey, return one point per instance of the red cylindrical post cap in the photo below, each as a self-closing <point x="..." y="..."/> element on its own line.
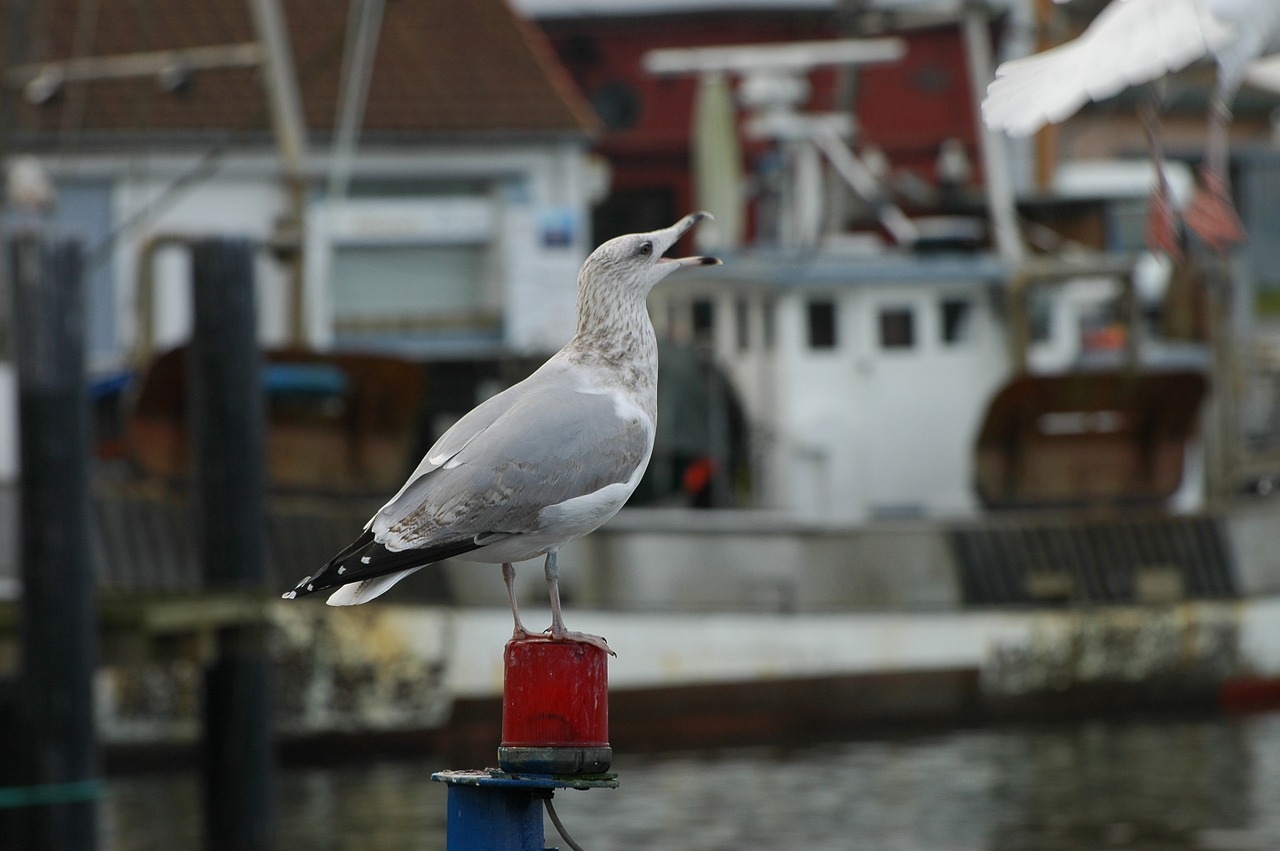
<point x="555" y="694"/>
<point x="555" y="707"/>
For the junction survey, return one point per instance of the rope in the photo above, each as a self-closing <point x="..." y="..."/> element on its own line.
<point x="555" y="819"/>
<point x="13" y="797"/>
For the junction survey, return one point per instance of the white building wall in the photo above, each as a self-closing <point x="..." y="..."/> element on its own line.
<point x="547" y="236"/>
<point x="229" y="206"/>
<point x="539" y="192"/>
<point x="536" y="233"/>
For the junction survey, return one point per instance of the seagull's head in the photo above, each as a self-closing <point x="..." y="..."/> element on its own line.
<point x="637" y="261"/>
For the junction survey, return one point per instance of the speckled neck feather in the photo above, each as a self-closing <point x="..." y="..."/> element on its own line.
<point x="615" y="331"/>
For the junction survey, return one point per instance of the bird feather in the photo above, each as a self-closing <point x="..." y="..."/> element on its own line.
<point x="1129" y="43"/>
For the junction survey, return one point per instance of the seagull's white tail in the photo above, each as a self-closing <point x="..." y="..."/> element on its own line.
<point x="362" y="592"/>
<point x="1128" y="44"/>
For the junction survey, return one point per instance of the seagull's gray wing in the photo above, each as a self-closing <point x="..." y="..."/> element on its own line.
<point x="464" y="431"/>
<point x="534" y="445"/>
<point x="548" y="443"/>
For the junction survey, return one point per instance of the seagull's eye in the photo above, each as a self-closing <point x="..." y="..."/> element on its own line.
<point x="646" y="248"/>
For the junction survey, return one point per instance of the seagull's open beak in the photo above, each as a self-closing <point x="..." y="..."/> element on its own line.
<point x="672" y="235"/>
<point x="692" y="261"/>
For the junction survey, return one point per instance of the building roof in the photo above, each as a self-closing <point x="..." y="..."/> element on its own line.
<point x="543" y="9"/>
<point x="442" y="67"/>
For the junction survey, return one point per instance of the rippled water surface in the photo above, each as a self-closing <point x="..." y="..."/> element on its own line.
<point x="1209" y="785"/>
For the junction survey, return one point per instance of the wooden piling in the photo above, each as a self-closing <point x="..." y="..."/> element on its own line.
<point x="55" y="801"/>
<point x="228" y="462"/>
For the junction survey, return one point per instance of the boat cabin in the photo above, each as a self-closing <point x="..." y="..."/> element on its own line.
<point x="893" y="385"/>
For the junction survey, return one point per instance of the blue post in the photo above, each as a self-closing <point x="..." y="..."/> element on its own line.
<point x="486" y="819"/>
<point x="494" y="811"/>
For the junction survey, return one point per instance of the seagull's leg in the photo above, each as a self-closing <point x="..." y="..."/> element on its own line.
<point x="1211" y="214"/>
<point x="557" y="630"/>
<point x="509" y="577"/>
<point x="1161" y="233"/>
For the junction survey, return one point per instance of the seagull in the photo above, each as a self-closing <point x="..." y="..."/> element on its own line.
<point x="1132" y="42"/>
<point x="543" y="462"/>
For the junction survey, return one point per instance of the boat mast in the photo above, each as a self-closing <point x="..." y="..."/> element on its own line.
<point x="998" y="183"/>
<point x="290" y="128"/>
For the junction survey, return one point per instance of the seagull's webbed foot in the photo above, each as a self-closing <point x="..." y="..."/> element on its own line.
<point x="522" y="634"/>
<point x="1212" y="216"/>
<point x="557" y="631"/>
<point x="581" y="637"/>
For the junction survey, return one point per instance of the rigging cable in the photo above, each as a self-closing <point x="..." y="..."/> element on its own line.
<point x="555" y="819"/>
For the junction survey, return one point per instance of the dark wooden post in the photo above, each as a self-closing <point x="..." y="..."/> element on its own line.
<point x="58" y="615"/>
<point x="226" y="416"/>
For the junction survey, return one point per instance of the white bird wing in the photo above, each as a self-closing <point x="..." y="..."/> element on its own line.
<point x="1129" y="43"/>
<point x="457" y="436"/>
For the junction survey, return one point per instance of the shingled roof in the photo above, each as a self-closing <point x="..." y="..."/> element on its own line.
<point x="443" y="68"/>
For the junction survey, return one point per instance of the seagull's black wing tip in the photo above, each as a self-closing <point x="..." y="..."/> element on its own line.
<point x="365" y="559"/>
<point x="332" y="574"/>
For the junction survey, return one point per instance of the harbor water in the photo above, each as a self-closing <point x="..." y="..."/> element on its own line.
<point x="1203" y="784"/>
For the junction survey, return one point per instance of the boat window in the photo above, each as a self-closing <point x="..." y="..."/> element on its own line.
<point x="742" y="321"/>
<point x="822" y="324"/>
<point x="704" y="320"/>
<point x="956" y="320"/>
<point x="1040" y="316"/>
<point x="897" y="328"/>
